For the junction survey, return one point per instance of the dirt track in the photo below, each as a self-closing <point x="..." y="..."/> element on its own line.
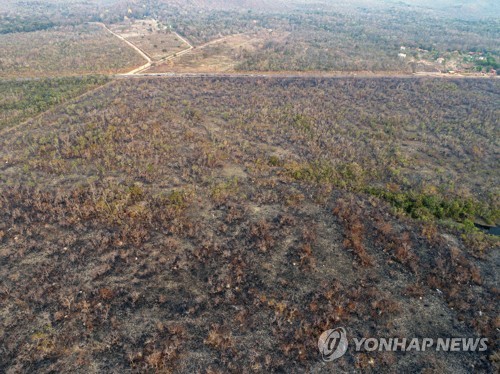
<point x="332" y="74"/>
<point x="150" y="62"/>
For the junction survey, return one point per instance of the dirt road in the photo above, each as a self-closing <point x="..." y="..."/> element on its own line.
<point x="150" y="62"/>
<point x="313" y="75"/>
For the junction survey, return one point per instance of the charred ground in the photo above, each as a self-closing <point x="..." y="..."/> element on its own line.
<point x="223" y="224"/>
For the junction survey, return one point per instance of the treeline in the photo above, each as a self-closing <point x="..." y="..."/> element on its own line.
<point x="203" y="26"/>
<point x="9" y="24"/>
<point x="37" y="16"/>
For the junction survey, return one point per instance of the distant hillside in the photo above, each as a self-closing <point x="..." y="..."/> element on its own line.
<point x="457" y="8"/>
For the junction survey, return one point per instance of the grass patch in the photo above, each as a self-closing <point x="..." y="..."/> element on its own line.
<point x="427" y="207"/>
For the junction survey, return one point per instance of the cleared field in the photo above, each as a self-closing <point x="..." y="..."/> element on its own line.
<point x="155" y="40"/>
<point x="219" y="55"/>
<point x="65" y="51"/>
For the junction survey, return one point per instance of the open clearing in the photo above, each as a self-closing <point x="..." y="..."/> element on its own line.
<point x="219" y="55"/>
<point x="155" y="40"/>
